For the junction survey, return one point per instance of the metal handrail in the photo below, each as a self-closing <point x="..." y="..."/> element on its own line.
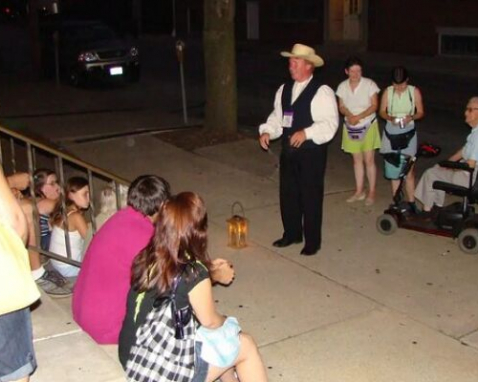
<point x="67" y="157"/>
<point x="32" y="146"/>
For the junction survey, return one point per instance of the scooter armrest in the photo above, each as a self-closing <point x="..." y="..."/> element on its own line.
<point x="455" y="165"/>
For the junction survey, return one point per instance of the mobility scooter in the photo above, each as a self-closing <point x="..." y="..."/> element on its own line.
<point x="456" y="220"/>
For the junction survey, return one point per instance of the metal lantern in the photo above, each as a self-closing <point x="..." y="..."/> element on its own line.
<point x="237" y="228"/>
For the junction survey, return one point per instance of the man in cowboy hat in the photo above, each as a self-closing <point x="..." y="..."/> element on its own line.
<point x="305" y="115"/>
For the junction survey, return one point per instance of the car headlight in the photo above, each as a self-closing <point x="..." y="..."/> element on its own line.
<point x="134" y="51"/>
<point x="87" y="57"/>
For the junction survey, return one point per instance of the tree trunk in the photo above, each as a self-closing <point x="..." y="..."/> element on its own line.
<point x="34" y="29"/>
<point x="220" y="64"/>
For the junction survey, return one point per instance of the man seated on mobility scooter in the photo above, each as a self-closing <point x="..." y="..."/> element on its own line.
<point x="433" y="199"/>
<point x="455" y="176"/>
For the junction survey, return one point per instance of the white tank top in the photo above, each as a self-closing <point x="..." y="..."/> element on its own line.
<point x="58" y="246"/>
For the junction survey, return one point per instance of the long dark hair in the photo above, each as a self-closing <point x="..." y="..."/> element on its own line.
<point x="180" y="238"/>
<point x="73" y="184"/>
<point x="399" y="75"/>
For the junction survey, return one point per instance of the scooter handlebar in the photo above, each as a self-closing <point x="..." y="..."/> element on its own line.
<point x="455" y="165"/>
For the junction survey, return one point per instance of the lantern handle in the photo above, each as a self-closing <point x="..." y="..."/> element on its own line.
<point x="240" y="206"/>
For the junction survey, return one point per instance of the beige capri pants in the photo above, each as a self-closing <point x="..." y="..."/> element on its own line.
<point x="424" y="191"/>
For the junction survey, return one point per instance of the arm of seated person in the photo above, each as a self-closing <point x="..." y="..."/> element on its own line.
<point x="19" y="181"/>
<point x="77" y="222"/>
<point x="202" y="301"/>
<point x="46" y="206"/>
<point x="222" y="272"/>
<point x="471" y="163"/>
<point x="10" y="210"/>
<point x="457" y="156"/>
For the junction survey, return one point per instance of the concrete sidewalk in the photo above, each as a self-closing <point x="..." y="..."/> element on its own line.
<point x="366" y="308"/>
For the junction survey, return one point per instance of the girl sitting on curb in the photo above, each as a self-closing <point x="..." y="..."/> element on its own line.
<point x="77" y="200"/>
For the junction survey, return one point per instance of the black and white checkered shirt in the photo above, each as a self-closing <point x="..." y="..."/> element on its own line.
<point x="157" y="356"/>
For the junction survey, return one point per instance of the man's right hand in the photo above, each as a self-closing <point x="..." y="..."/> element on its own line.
<point x="264" y="141"/>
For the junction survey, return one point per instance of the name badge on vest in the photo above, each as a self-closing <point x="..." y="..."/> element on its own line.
<point x="287" y="119"/>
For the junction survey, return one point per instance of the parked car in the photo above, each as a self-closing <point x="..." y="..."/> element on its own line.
<point x="89" y="51"/>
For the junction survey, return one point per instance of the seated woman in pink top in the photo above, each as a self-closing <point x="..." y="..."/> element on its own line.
<point x="99" y="296"/>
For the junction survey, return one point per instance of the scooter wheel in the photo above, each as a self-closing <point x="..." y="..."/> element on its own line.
<point x="386" y="224"/>
<point x="468" y="241"/>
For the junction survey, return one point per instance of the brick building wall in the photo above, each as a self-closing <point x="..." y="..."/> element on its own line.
<point x="289" y="21"/>
<point x="410" y="26"/>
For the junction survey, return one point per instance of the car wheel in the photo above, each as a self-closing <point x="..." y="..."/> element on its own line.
<point x="468" y="241"/>
<point x="386" y="224"/>
<point x="76" y="79"/>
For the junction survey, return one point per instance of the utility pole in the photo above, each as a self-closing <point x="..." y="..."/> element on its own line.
<point x="173" y="32"/>
<point x="136" y="12"/>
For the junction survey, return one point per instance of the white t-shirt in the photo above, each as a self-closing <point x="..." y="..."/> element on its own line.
<point x="359" y="99"/>
<point x="58" y="246"/>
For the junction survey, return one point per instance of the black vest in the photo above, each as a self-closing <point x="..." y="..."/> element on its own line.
<point x="302" y="117"/>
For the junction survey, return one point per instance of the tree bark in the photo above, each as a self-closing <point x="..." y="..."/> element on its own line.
<point x="220" y="64"/>
<point x="34" y="29"/>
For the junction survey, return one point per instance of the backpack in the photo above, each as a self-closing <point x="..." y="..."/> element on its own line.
<point x="164" y="346"/>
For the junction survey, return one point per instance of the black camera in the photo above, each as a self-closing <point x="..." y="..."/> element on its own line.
<point x="181" y="318"/>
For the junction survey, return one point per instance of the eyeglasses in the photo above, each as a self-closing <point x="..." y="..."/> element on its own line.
<point x="470" y="109"/>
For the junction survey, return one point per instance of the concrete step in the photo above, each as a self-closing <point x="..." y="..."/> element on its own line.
<point x="64" y="352"/>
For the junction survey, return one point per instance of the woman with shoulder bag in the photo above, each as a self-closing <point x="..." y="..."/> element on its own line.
<point x="172" y="331"/>
<point x="400" y="107"/>
<point x="358" y="102"/>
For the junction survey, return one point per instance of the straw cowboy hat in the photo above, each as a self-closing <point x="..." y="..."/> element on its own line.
<point x="305" y="52"/>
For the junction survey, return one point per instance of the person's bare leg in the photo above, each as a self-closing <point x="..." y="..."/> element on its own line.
<point x="394" y="184"/>
<point x="371" y="170"/>
<point x="229" y="376"/>
<point x="249" y="365"/>
<point x="359" y="173"/>
<point x="410" y="185"/>
<point x="214" y="373"/>
<point x="26" y="379"/>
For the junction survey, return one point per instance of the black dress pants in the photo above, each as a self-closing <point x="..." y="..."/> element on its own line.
<point x="302" y="174"/>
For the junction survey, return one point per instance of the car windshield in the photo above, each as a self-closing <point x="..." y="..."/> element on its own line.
<point x="89" y="33"/>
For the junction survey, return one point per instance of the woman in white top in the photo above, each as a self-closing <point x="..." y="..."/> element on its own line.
<point x="77" y="200"/>
<point x="358" y="102"/>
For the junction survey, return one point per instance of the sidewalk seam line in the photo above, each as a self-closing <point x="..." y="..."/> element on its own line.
<point x="53" y="336"/>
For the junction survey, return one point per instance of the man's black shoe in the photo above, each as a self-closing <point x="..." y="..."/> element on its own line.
<point x="284" y="242"/>
<point x="308" y="252"/>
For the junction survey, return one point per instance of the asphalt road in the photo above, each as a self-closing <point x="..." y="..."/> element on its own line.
<point x="58" y="113"/>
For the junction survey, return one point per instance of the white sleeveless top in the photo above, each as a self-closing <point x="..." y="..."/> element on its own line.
<point x="58" y="246"/>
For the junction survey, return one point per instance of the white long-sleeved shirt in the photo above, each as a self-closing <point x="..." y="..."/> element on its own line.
<point x="323" y="109"/>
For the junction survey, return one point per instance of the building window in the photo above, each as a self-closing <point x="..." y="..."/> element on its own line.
<point x="353" y="7"/>
<point x="294" y="11"/>
<point x="458" y="41"/>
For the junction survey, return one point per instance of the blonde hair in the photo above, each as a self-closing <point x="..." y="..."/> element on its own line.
<point x="108" y="198"/>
